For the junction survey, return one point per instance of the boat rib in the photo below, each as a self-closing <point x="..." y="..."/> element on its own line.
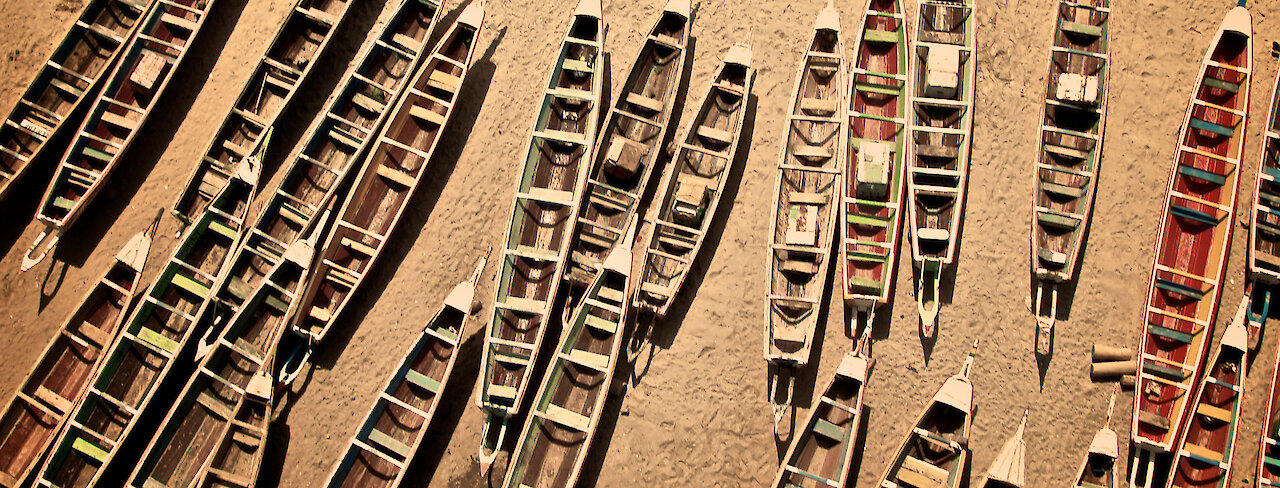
<point x="942" y="94"/>
<point x="40" y="407"/>
<point x="936" y="450"/>
<point x="823" y="451"/>
<point x="1069" y="152"/>
<point x="694" y="186"/>
<point x="1206" y="450"/>
<point x="871" y="213"/>
<point x="51" y="103"/>
<point x="147" y="66"/>
<point x="302" y="40"/>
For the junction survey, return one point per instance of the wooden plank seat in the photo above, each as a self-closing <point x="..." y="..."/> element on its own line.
<point x="567" y="418"/>
<point x="1170" y="333"/>
<point x="66" y="87"/>
<point x="812" y="154"/>
<point x="1214" y="127"/>
<point x="714" y="135"/>
<point x="443" y="334"/>
<point x="408" y="43"/>
<point x="1086" y="30"/>
<point x="98" y="154"/>
<point x="799" y="267"/>
<point x="819" y="107"/>
<point x="1201" y="174"/>
<point x="1214" y="412"/>
<point x="1064" y="222"/>
<point x="880" y="36"/>
<point x="644" y="103"/>
<point x="578" y="65"/>
<point x="1196" y="215"/>
<point x="396" y="175"/>
<point x="1051" y="256"/>
<point x="118" y="120"/>
<point x="864" y="86"/>
<point x="588" y="359"/>
<point x="90" y="450"/>
<point x="1202" y="454"/>
<point x="1221" y="84"/>
<point x="601" y="324"/>
<point x="1061" y="189"/>
<point x="444" y="81"/>
<point x="1069" y="152"/>
<point x="921" y="474"/>
<point x="503" y="393"/>
<point x="825" y="428"/>
<point x="937" y="151"/>
<point x="389" y="443"/>
<point x="368" y="103"/>
<point x="867" y="285"/>
<point x="422" y="381"/>
<point x="1167" y="372"/>
<point x="666" y="41"/>
<point x="514" y="358"/>
<point x="427" y="115"/>
<point x="1155" y="420"/>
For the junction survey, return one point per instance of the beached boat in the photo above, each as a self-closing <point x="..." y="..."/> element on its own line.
<point x="386" y="184"/>
<point x="805" y="197"/>
<point x="398" y="423"/>
<point x="871" y="213"/>
<point x="39" y="408"/>
<point x="155" y="334"/>
<point x="1098" y="470"/>
<point x="823" y="451"/>
<point x="147" y="66"/>
<point x="543" y="215"/>
<point x="1070" y="151"/>
<point x="942" y="88"/>
<point x="1264" y="235"/>
<point x="229" y="400"/>
<point x="1206" y="450"/>
<point x="303" y="38"/>
<point x="935" y="452"/>
<point x="1193" y="243"/>
<point x="1009" y="470"/>
<point x="566" y="412"/>
<point x="695" y="184"/>
<point x="1268" y="470"/>
<point x="332" y="151"/>
<point x="49" y="105"/>
<point x="633" y="138"/>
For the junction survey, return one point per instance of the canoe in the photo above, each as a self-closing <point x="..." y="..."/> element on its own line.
<point x="694" y="185"/>
<point x="229" y="399"/>
<point x="331" y="152"/>
<point x="303" y="38"/>
<point x="395" y="167"/>
<point x="823" y="451"/>
<point x="1268" y="470"/>
<point x="632" y="139"/>
<point x="396" y="427"/>
<point x="543" y="213"/>
<point x="942" y="88"/>
<point x="807" y="187"/>
<point x="39" y="408"/>
<point x="566" y="412"/>
<point x="147" y="66"/>
<point x="1070" y="151"/>
<point x="936" y="450"/>
<point x="1098" y="470"/>
<point x="1264" y="228"/>
<point x="1009" y="470"/>
<point x="155" y="334"/>
<point x="1193" y="242"/>
<point x="871" y="215"/>
<point x="51" y="103"/>
<point x="1206" y="449"/>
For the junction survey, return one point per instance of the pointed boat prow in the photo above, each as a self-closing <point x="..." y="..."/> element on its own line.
<point x="682" y="8"/>
<point x="619" y="260"/>
<point x="828" y="18"/>
<point x="589" y="8"/>
<point x="739" y="54"/>
<point x="1239" y="21"/>
<point x="134" y="253"/>
<point x="1236" y="336"/>
<point x="473" y="15"/>
<point x="464" y="293"/>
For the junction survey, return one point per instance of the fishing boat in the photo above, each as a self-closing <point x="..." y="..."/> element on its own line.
<point x="823" y="452"/>
<point x="634" y="136"/>
<point x="566" y="412"/>
<point x="1070" y="151"/>
<point x="1098" y="470"/>
<point x="1264" y="230"/>
<point x="935" y="452"/>
<point x="870" y="220"/>
<point x="155" y="334"/>
<point x="147" y="66"/>
<point x="1009" y="470"/>
<point x="332" y="150"/>
<point x="543" y="215"/>
<point x="229" y="400"/>
<point x="1268" y="470"/>
<point x="1192" y="245"/>
<point x="942" y="88"/>
<point x="39" y="408"/>
<point x="1206" y="449"/>
<point x="397" y="426"/>
<point x="694" y="186"/>
<point x="71" y="75"/>
<point x="303" y="38"/>
<point x="805" y="194"/>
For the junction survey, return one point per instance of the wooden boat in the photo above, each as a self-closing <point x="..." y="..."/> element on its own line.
<point x="942" y="87"/>
<point x="1264" y="230"/>
<point x="936" y="450"/>
<point x="1193" y="243"/>
<point x="824" y="449"/>
<point x="633" y="137"/>
<point x="50" y="103"/>
<point x="332" y="151"/>
<point x="396" y="165"/>
<point x="1070" y="151"/>
<point x="558" y="432"/>
<point x="1009" y="470"/>
<point x="543" y="215"/>
<point x="871" y="215"/>
<point x="303" y="38"/>
<point x="229" y="399"/>
<point x="156" y="333"/>
<point x="1098" y="470"/>
<point x="397" y="426"/>
<point x="1206" y="449"/>
<point x="1268" y="470"/>
<point x="39" y="408"/>
<point x="805" y="194"/>
<point x="694" y="186"/>
<point x="147" y="66"/>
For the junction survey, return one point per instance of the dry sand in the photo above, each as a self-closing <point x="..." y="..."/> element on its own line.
<point x="696" y="411"/>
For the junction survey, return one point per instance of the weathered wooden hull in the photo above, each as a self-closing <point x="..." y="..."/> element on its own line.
<point x="1206" y="448"/>
<point x="824" y="449"/>
<point x="1268" y="469"/>
<point x="1264" y="235"/>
